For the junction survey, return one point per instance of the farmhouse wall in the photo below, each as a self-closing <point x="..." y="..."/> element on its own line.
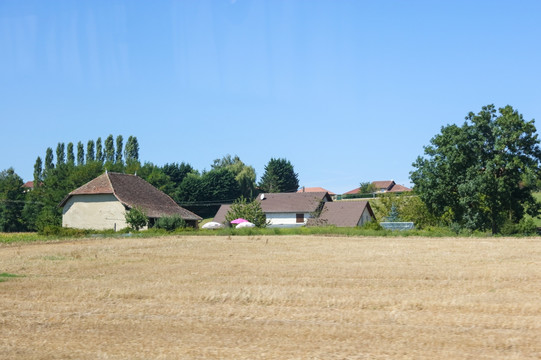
<point x="98" y="212"/>
<point x="286" y="219"/>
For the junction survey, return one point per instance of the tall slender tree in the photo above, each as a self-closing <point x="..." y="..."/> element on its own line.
<point x="70" y="154"/>
<point x="60" y="154"/>
<point x="38" y="169"/>
<point x="131" y="151"/>
<point x="99" y="150"/>
<point x="119" y="146"/>
<point x="90" y="155"/>
<point x="80" y="154"/>
<point x="109" y="149"/>
<point x="49" y="164"/>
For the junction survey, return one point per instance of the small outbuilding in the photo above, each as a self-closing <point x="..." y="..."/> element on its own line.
<point x="102" y="203"/>
<point x="344" y="214"/>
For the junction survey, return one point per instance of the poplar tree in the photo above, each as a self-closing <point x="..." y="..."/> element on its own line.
<point x="119" y="146"/>
<point x="60" y="154"/>
<point x="70" y="154"/>
<point x="109" y="149"/>
<point x="90" y="156"/>
<point x="80" y="154"/>
<point x="49" y="160"/>
<point x="99" y="150"/>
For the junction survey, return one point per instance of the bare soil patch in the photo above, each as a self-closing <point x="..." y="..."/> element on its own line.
<point x="272" y="297"/>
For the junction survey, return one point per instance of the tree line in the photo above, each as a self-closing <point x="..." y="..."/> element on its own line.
<point x="71" y="166"/>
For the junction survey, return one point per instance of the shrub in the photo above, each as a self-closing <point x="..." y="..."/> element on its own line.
<point x="170" y="223"/>
<point x="136" y="218"/>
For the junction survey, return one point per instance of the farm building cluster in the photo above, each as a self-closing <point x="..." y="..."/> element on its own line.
<point x="102" y="204"/>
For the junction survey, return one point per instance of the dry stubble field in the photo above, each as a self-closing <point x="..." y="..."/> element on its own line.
<point x="264" y="297"/>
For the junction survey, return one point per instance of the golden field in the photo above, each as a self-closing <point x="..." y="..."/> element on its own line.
<point x="275" y="297"/>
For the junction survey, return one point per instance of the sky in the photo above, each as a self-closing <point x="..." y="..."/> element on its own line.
<point x="347" y="91"/>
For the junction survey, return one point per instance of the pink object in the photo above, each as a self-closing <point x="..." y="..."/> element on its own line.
<point x="238" y="221"/>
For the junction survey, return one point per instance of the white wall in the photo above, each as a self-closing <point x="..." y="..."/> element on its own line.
<point x="98" y="212"/>
<point x="365" y="217"/>
<point x="286" y="219"/>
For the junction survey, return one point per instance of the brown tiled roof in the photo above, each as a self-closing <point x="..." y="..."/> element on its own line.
<point x="222" y="212"/>
<point x="354" y="191"/>
<point x="292" y="202"/>
<point x="315" y="189"/>
<point x="399" y="188"/>
<point x="132" y="191"/>
<point x="28" y="185"/>
<point x="343" y="213"/>
<point x="386" y="185"/>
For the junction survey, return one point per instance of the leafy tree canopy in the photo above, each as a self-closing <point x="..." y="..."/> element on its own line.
<point x="250" y="211"/>
<point x="473" y="175"/>
<point x="244" y="174"/>
<point x="11" y="200"/>
<point x="279" y="176"/>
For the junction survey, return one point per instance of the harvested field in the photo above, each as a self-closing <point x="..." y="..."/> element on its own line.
<point x="272" y="298"/>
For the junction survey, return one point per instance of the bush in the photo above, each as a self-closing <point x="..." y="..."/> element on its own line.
<point x="170" y="223"/>
<point x="372" y="225"/>
<point x="136" y="218"/>
<point x="524" y="227"/>
<point x="53" y="230"/>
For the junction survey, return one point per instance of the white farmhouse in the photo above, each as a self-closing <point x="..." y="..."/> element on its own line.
<point x="102" y="203"/>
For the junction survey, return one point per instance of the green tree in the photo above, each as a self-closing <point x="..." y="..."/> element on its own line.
<point x="109" y="149"/>
<point x="49" y="160"/>
<point x="70" y="154"/>
<point x="11" y="201"/>
<point x="279" y="176"/>
<point x="136" y="218"/>
<point x="80" y="153"/>
<point x="99" y="150"/>
<point x="244" y="174"/>
<point x="472" y="175"/>
<point x="367" y="188"/>
<point x="90" y="154"/>
<point x="131" y="151"/>
<point x="119" y="145"/>
<point x="38" y="172"/>
<point x="60" y="154"/>
<point x="248" y="210"/>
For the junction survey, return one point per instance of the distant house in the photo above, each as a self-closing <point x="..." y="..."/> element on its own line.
<point x="344" y="214"/>
<point x="291" y="209"/>
<point x="28" y="186"/>
<point x="383" y="187"/>
<point x="102" y="203"/>
<point x="299" y="209"/>
<point x="317" y="189"/>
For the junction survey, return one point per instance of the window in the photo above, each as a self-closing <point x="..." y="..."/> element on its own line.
<point x="300" y="218"/>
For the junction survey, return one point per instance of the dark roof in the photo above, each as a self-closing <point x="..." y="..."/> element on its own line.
<point x="292" y="202"/>
<point x="222" y="212"/>
<point x="315" y="189"/>
<point x="132" y="191"/>
<point x="343" y="213"/>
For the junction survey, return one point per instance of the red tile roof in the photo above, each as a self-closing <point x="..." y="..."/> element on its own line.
<point x="354" y="191"/>
<point x="315" y="189"/>
<point x="399" y="188"/>
<point x="386" y="184"/>
<point x="132" y="191"/>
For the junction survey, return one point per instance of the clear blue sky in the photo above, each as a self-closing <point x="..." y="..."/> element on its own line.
<point x="348" y="91"/>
